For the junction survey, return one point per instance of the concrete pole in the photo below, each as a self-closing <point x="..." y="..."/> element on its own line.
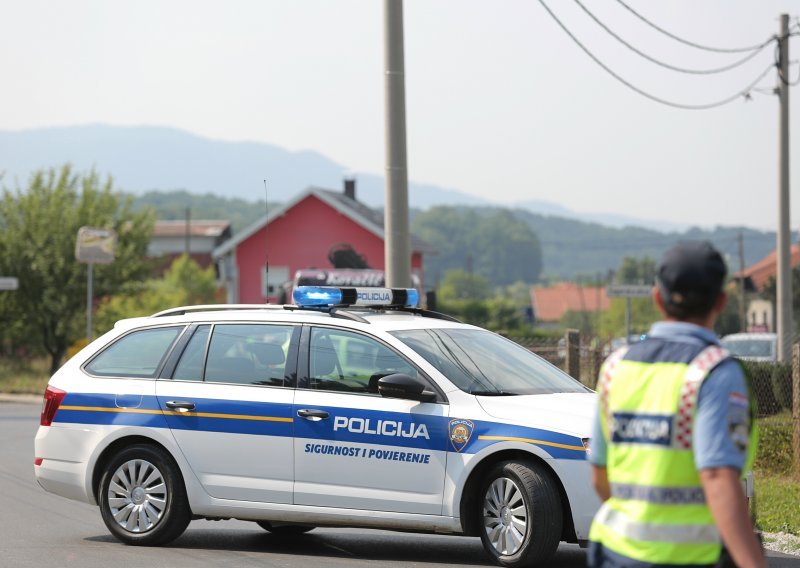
<point x="89" y="301"/>
<point x="397" y="244"/>
<point x="784" y="276"/>
<point x="742" y="299"/>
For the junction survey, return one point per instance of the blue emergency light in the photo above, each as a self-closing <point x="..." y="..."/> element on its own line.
<point x="327" y="296"/>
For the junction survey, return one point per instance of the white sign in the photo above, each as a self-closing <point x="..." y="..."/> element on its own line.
<point x="95" y="246"/>
<point x="629" y="291"/>
<point x="9" y="283"/>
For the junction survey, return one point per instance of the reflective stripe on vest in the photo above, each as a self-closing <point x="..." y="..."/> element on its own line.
<point x="659" y="495"/>
<point x="657" y="532"/>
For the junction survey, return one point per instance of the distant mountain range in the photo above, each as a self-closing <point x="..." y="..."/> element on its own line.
<point x="143" y="158"/>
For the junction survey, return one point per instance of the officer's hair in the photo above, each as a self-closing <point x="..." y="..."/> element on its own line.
<point x="689" y="310"/>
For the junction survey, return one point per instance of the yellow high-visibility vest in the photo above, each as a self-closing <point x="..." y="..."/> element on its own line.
<point x="657" y="511"/>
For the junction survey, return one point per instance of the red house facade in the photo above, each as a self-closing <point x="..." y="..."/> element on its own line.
<point x="300" y="235"/>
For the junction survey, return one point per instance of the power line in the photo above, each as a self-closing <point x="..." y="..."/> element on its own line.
<point x="691" y="43"/>
<point x="652" y="59"/>
<point x="742" y="93"/>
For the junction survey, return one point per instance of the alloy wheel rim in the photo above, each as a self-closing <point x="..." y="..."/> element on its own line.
<point x="505" y="517"/>
<point x="137" y="496"/>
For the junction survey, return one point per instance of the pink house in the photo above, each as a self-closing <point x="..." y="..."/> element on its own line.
<point x="301" y="235"/>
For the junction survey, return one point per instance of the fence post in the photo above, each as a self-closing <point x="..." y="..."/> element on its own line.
<point x="572" y="363"/>
<point x="796" y="409"/>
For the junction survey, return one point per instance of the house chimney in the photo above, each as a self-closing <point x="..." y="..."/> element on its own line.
<point x="350" y="187"/>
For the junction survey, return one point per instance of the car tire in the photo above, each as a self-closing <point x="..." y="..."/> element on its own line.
<point x="519" y="514"/>
<point x="285" y="530"/>
<point x="142" y="496"/>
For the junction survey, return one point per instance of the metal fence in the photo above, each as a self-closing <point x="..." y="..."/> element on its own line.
<point x="581" y="357"/>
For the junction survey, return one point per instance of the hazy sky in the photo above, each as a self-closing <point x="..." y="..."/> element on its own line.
<point x="500" y="102"/>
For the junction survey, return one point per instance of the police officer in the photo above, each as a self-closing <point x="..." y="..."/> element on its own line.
<point x="674" y="433"/>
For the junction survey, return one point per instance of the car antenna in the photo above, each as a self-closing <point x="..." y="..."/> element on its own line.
<point x="266" y="245"/>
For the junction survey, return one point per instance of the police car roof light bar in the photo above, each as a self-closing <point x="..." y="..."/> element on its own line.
<point x="328" y="297"/>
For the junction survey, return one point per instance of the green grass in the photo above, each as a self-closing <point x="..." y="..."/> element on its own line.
<point x="777" y="492"/>
<point x="777" y="503"/>
<point x="24" y="376"/>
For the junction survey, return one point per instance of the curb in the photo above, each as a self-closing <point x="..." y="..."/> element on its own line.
<point x="21" y="398"/>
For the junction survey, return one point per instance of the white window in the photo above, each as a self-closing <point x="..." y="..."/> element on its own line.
<point x="272" y="282"/>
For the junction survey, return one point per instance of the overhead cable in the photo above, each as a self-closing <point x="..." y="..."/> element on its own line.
<point x="691" y="43"/>
<point x="652" y="59"/>
<point x="745" y="93"/>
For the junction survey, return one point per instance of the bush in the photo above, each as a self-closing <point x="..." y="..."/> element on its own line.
<point x="771" y="384"/>
<point x="775" y="444"/>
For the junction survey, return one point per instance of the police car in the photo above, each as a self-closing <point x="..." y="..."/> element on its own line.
<point x="351" y="407"/>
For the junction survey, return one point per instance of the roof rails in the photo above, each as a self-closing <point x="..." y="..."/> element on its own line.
<point x="215" y="307"/>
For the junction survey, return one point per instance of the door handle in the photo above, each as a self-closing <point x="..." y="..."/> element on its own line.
<point x="313" y="415"/>
<point x="180" y="405"/>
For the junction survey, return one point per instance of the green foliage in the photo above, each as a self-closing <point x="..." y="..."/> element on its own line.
<point x="636" y="271"/>
<point x="490" y="242"/>
<point x="585" y="322"/>
<point x="730" y="321"/>
<point x="38" y="230"/>
<point x="171" y="206"/>
<point x="459" y="285"/>
<point x="771" y="384"/>
<point x="777" y="503"/>
<point x="504" y="314"/>
<point x="775" y="444"/>
<point x="643" y="314"/>
<point x="185" y="283"/>
<point x="771" y="293"/>
<point x="571" y="247"/>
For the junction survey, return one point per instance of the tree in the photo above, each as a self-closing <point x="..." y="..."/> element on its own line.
<point x="492" y="243"/>
<point x="460" y="285"/>
<point x="38" y="230"/>
<point x="636" y="271"/>
<point x="183" y="284"/>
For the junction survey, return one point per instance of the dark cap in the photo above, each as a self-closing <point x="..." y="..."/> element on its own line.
<point x="690" y="276"/>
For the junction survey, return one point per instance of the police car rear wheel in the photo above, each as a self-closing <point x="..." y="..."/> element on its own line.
<point x="520" y="513"/>
<point x="142" y="497"/>
<point x="286" y="530"/>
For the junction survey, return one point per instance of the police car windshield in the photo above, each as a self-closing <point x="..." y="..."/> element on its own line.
<point x="484" y="364"/>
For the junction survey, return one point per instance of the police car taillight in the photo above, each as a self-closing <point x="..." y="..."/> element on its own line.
<point x="50" y="403"/>
<point x="327" y="296"/>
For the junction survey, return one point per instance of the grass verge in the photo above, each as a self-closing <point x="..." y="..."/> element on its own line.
<point x="24" y="376"/>
<point x="777" y="503"/>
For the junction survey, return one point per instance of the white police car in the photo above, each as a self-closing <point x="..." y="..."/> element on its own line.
<point x="351" y="408"/>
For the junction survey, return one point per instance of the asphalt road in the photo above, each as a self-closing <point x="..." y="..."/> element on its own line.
<point x="38" y="529"/>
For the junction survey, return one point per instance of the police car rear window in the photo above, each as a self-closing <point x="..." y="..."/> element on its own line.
<point x="483" y="363"/>
<point x="136" y="355"/>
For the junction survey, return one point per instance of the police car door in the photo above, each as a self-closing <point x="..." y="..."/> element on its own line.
<point x="354" y="448"/>
<point x="228" y="403"/>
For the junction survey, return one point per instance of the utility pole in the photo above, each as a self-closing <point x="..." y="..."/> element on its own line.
<point x="784" y="281"/>
<point x="397" y="243"/>
<point x="188" y="233"/>
<point x="742" y="300"/>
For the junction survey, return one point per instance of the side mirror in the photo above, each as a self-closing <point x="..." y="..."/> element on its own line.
<point x="400" y="385"/>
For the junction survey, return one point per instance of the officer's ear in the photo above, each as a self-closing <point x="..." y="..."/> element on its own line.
<point x="659" y="300"/>
<point x="719" y="304"/>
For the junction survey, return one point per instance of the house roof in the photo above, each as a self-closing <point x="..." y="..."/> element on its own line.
<point x="766" y="268"/>
<point x="355" y="210"/>
<point x="552" y="302"/>
<point x="198" y="228"/>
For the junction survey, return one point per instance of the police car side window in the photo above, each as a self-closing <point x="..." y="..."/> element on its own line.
<point x="340" y="360"/>
<point x="190" y="367"/>
<point x="249" y="354"/>
<point x="136" y="355"/>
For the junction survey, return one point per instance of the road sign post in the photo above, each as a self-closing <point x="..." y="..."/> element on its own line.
<point x="628" y="291"/>
<point x="94" y="246"/>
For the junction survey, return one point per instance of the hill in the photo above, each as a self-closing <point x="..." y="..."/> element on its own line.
<point x="569" y="248"/>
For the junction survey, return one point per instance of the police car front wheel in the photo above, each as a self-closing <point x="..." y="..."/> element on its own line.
<point x="142" y="497"/>
<point x="520" y="514"/>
